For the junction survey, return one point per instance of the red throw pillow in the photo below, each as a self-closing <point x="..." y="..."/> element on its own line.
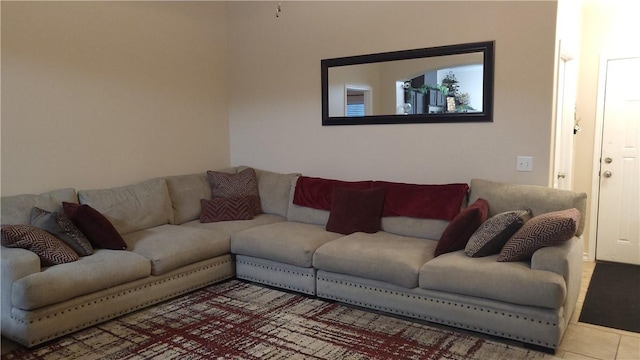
<point x="356" y="210"/>
<point x="226" y="209"/>
<point x="95" y="226"/>
<point x="460" y="229"/>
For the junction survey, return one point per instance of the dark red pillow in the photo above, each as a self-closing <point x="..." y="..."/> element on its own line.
<point x="460" y="229"/>
<point x="95" y="226"/>
<point x="356" y="210"/>
<point x="226" y="209"/>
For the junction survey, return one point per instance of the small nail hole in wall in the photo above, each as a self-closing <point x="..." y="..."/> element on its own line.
<point x="278" y="9"/>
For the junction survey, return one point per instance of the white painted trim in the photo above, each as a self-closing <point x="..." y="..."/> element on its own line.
<point x="597" y="151"/>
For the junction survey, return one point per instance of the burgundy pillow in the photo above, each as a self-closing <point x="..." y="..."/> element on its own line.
<point x="460" y="229"/>
<point x="226" y="209"/>
<point x="356" y="210"/>
<point x="242" y="184"/>
<point x="50" y="250"/>
<point x="548" y="229"/>
<point x="95" y="226"/>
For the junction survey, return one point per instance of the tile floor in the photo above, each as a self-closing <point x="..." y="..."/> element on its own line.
<point x="580" y="342"/>
<point x="586" y="341"/>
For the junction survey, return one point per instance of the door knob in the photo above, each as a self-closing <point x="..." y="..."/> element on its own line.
<point x="607" y="174"/>
<point x="608" y="160"/>
<point x="561" y="175"/>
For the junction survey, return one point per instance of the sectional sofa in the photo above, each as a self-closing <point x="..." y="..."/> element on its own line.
<point x="171" y="252"/>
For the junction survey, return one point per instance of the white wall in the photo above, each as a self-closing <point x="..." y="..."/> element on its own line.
<point x="101" y="94"/>
<point x="275" y="107"/>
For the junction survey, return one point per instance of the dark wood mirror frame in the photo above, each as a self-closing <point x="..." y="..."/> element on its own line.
<point x="486" y="115"/>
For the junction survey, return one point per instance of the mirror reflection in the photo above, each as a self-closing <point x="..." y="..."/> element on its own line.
<point x="443" y="84"/>
<point x="416" y="86"/>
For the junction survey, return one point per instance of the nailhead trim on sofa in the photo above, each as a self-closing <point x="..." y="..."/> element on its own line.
<point x="436" y="320"/>
<point x="287" y="272"/>
<point x="128" y="310"/>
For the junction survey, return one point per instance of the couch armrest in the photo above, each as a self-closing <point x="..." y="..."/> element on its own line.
<point x="559" y="259"/>
<point x="565" y="260"/>
<point x="14" y="264"/>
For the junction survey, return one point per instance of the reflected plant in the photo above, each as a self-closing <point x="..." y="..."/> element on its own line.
<point x="426" y="87"/>
<point x="463" y="98"/>
<point x="451" y="83"/>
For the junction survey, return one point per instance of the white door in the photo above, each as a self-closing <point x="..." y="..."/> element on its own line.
<point x="565" y="117"/>
<point x="618" y="229"/>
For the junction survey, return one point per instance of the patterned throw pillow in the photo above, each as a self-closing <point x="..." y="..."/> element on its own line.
<point x="95" y="226"/>
<point x="494" y="233"/>
<point x="51" y="250"/>
<point x="226" y="209"/>
<point x="60" y="226"/>
<point x="460" y="229"/>
<point x="242" y="184"/>
<point x="543" y="230"/>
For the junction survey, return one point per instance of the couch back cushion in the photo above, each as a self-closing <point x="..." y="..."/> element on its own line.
<point x="17" y="209"/>
<point x="540" y="199"/>
<point x="304" y="214"/>
<point x="411" y="200"/>
<point x="133" y="207"/>
<point x="317" y="193"/>
<point x="274" y="189"/>
<point x="311" y="204"/>
<point x="424" y="201"/>
<point x="186" y="191"/>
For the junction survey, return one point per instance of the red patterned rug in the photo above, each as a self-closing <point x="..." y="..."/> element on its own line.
<point x="238" y="320"/>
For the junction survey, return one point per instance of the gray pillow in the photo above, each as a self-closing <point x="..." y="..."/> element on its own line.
<point x="60" y="226"/>
<point x="495" y="232"/>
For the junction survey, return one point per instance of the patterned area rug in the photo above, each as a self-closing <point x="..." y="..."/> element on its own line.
<point x="238" y="320"/>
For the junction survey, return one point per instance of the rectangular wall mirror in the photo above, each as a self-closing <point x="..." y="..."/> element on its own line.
<point x="451" y="83"/>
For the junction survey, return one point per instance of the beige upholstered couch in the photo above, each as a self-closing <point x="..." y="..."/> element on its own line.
<point x="170" y="252"/>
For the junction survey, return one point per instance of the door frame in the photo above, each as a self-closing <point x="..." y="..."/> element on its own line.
<point x="567" y="73"/>
<point x="597" y="147"/>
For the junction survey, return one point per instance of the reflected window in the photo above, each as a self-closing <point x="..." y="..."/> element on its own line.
<point x="446" y="90"/>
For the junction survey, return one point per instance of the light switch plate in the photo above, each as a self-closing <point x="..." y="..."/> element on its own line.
<point x="524" y="163"/>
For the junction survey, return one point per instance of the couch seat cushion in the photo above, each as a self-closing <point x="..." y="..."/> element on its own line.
<point x="484" y="277"/>
<point x="172" y="246"/>
<point x="102" y="270"/>
<point x="288" y="242"/>
<point x="231" y="227"/>
<point x="380" y="256"/>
